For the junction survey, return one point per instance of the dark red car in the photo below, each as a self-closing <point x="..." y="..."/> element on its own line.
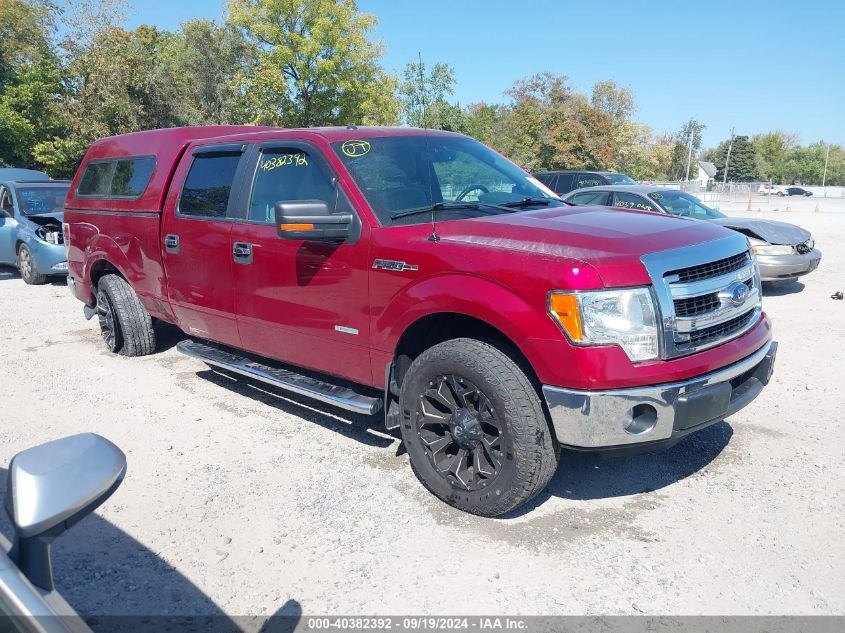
<point x="421" y="274"/>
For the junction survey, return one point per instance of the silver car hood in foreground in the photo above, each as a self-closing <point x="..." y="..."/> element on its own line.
<point x="771" y="231"/>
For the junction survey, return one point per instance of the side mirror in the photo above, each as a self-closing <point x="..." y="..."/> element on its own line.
<point x="52" y="487"/>
<point x="311" y="220"/>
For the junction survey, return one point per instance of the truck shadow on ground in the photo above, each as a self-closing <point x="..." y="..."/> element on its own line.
<point x="586" y="476"/>
<point x="167" y="336"/>
<point x="118" y="584"/>
<point x="368" y="430"/>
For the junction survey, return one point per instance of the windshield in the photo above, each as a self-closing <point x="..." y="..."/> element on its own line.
<point x="37" y="200"/>
<point x="683" y="204"/>
<point x="461" y="176"/>
<point x="620" y="179"/>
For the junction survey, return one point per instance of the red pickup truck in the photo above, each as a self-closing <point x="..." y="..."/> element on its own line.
<point x="422" y="275"/>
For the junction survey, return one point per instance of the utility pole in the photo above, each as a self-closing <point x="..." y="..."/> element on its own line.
<point x="826" y="157"/>
<point x="727" y="160"/>
<point x="689" y="154"/>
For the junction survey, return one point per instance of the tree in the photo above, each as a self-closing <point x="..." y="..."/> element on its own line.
<point x="116" y="85"/>
<point x="685" y="149"/>
<point x="743" y="160"/>
<point x="773" y="150"/>
<point x="314" y="64"/>
<point x="481" y="121"/>
<point x="202" y="61"/>
<point x="424" y="97"/>
<point x="30" y="80"/>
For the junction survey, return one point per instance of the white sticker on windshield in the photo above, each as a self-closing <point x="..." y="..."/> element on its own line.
<point x="541" y="187"/>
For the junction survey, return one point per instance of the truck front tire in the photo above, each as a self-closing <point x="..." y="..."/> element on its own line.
<point x="474" y="428"/>
<point x="125" y="324"/>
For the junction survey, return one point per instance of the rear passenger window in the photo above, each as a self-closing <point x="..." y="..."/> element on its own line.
<point x="208" y="185"/>
<point x="632" y="201"/>
<point x="590" y="197"/>
<point x="564" y="183"/>
<point x="291" y="174"/>
<point x="117" y="178"/>
<point x="589" y="180"/>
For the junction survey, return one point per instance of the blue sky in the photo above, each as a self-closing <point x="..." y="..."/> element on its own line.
<point x="747" y="64"/>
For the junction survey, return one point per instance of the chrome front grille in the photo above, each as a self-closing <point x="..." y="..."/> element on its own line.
<point x="707" y="294"/>
<point x="713" y="269"/>
<point x="722" y="330"/>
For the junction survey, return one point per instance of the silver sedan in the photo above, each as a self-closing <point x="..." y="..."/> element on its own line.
<point x="784" y="251"/>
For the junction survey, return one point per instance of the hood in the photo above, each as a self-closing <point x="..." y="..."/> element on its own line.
<point x="45" y="219"/>
<point x="770" y="231"/>
<point x="612" y="242"/>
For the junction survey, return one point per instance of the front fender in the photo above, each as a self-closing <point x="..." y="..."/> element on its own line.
<point x="516" y="317"/>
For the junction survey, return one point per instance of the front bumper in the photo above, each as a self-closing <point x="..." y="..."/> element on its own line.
<point x="777" y="267"/>
<point x="654" y="417"/>
<point x="48" y="259"/>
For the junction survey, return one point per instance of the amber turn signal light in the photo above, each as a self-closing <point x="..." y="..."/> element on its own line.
<point x="564" y="307"/>
<point x="296" y="227"/>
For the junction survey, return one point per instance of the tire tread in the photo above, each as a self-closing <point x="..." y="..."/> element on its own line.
<point x="136" y="325"/>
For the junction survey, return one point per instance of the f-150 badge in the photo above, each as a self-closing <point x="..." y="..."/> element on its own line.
<point x="389" y="264"/>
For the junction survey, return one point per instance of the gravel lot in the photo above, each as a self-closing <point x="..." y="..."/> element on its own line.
<point x="246" y="501"/>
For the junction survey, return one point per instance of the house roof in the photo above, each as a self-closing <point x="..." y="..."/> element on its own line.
<point x="709" y="168"/>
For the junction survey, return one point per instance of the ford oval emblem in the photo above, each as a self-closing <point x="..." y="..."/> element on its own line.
<point x="737" y="293"/>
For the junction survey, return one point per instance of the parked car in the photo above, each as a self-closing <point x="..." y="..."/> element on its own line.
<point x="31" y="227"/>
<point x="784" y="251"/>
<point x="16" y="173"/>
<point x="50" y="489"/>
<point x="798" y="191"/>
<point x="768" y="188"/>
<point x="562" y="182"/>
<point x="420" y="275"/>
<point x="782" y="190"/>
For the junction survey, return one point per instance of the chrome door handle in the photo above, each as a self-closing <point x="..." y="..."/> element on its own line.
<point x="171" y="243"/>
<point x="242" y="252"/>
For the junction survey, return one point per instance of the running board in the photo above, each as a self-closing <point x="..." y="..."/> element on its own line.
<point x="336" y="395"/>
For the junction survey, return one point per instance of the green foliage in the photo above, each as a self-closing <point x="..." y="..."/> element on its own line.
<point x="688" y="137"/>
<point x="314" y="64"/>
<point x="423" y="98"/>
<point x="742" y="165"/>
<point x="202" y="61"/>
<point x="30" y="81"/>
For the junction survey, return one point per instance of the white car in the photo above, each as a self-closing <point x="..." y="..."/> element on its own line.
<point x="768" y="188"/>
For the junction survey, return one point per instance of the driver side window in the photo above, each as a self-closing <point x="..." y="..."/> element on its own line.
<point x="6" y="202"/>
<point x="292" y="174"/>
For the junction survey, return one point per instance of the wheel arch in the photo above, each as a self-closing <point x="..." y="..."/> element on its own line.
<point x="438" y="327"/>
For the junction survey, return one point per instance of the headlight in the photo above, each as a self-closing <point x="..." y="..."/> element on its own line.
<point x="609" y="317"/>
<point x="764" y="248"/>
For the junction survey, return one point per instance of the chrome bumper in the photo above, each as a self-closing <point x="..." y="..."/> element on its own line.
<point x="622" y="417"/>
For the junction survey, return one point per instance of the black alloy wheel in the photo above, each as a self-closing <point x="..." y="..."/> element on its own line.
<point x="460" y="432"/>
<point x="109" y="325"/>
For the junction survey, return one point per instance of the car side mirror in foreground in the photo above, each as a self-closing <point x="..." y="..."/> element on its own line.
<point x="52" y="487"/>
<point x="311" y="220"/>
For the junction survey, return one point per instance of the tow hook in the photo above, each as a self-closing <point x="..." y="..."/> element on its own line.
<point x="89" y="311"/>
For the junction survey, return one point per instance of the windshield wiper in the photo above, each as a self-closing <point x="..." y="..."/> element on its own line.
<point x="437" y="206"/>
<point x="527" y="202"/>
